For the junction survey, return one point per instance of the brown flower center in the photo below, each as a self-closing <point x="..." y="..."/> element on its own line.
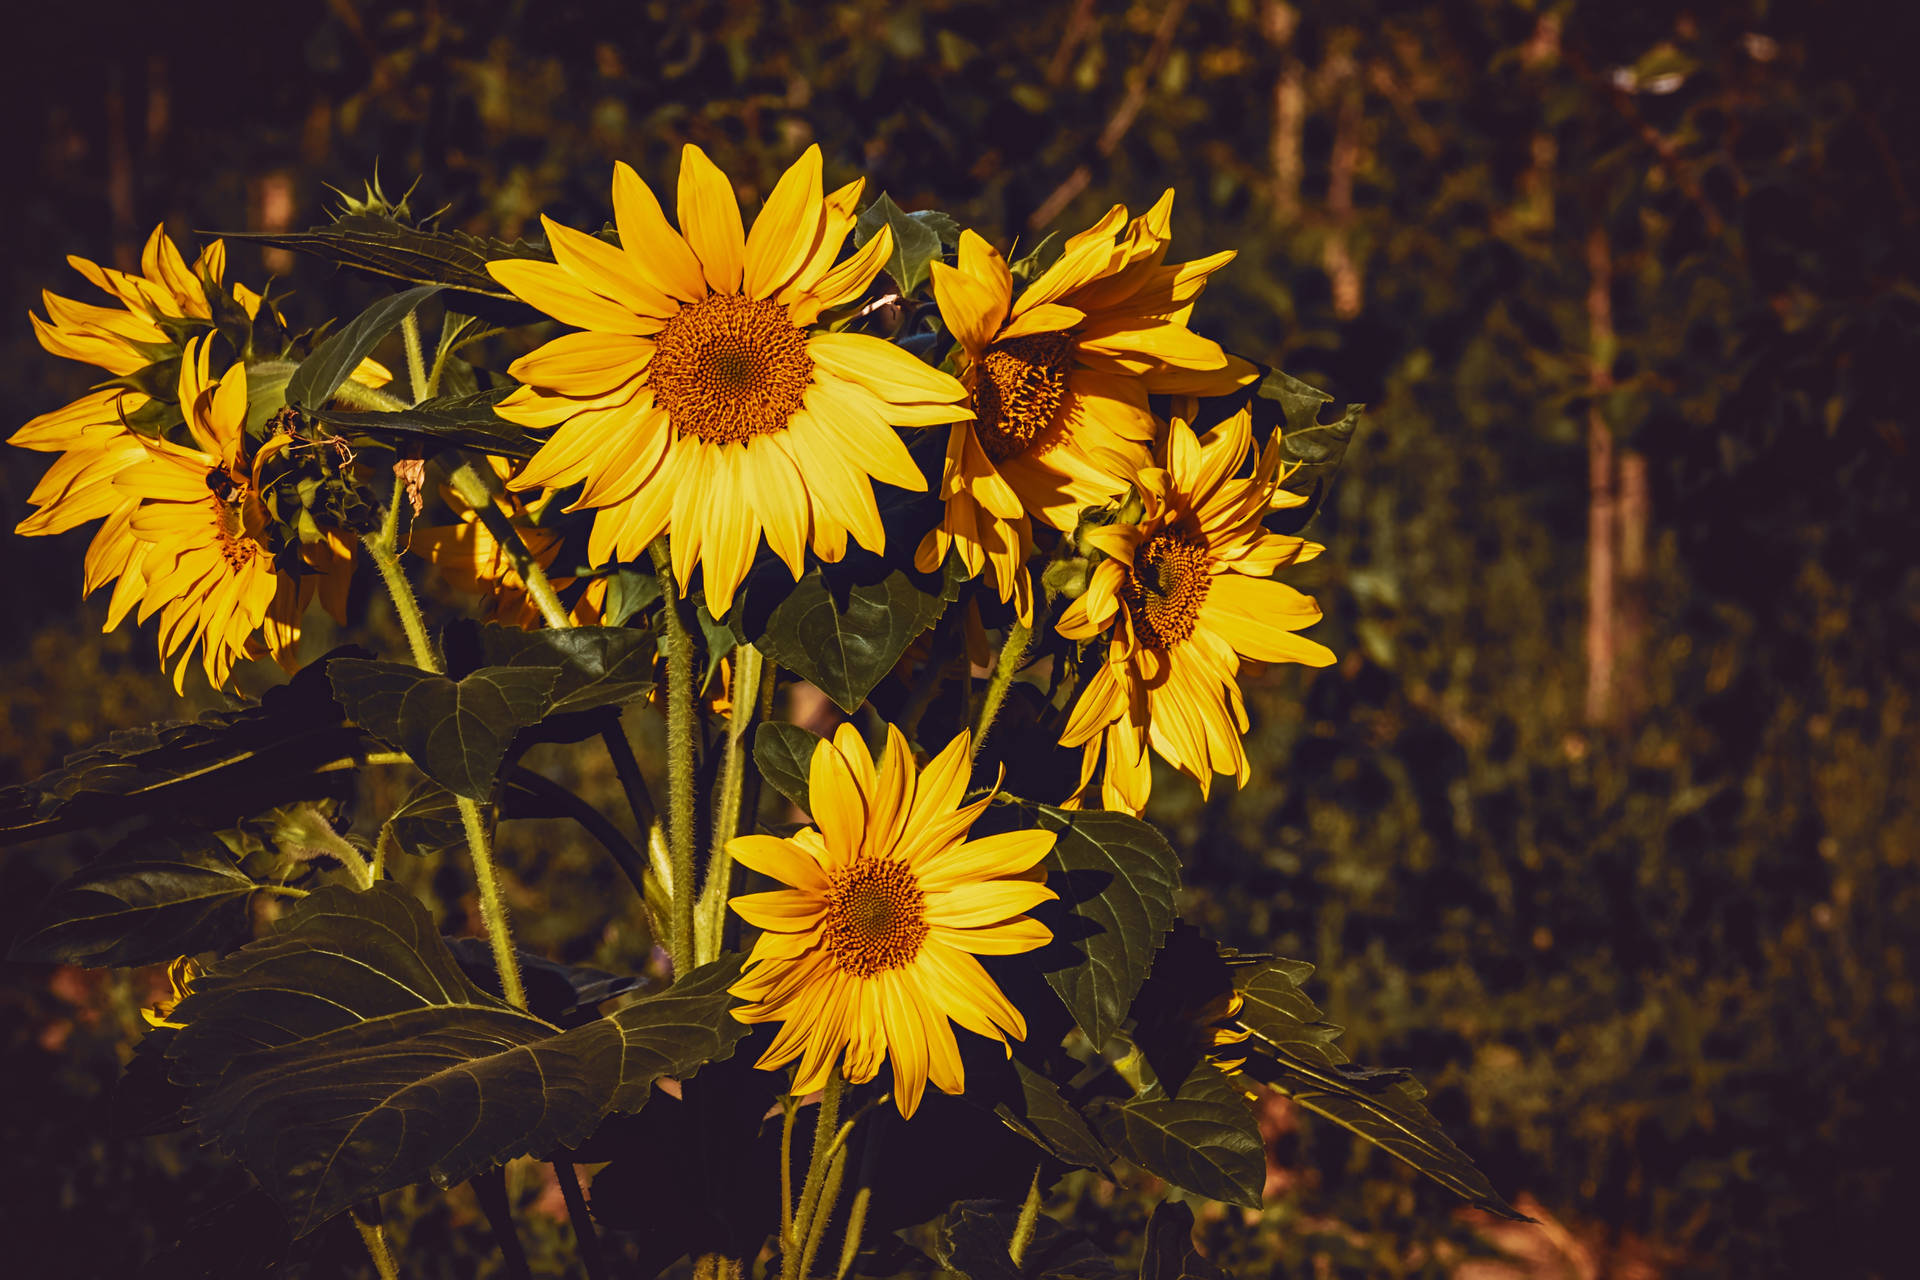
<point x="1019" y="391"/>
<point x="876" y="916"/>
<point x="1166" y="589"/>
<point x="728" y="368"/>
<point x="228" y="503"/>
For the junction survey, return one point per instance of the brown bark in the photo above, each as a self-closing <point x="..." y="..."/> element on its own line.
<point x="1602" y="497"/>
<point x="1337" y="252"/>
<point x="1278" y="20"/>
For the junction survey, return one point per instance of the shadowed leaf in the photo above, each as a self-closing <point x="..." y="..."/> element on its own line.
<point x="973" y="1240"/>
<point x="1170" y="1253"/>
<point x="456" y="731"/>
<point x="844" y="639"/>
<point x="784" y="755"/>
<point x="334" y="360"/>
<point x="598" y="666"/>
<point x="153" y="896"/>
<point x="1045" y="1118"/>
<point x="349" y="1055"/>
<point x="464" y="421"/>
<point x="1204" y="1140"/>
<point x="384" y="246"/>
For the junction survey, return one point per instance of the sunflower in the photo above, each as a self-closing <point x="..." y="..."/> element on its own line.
<point x="1059" y="379"/>
<point x="194" y="536"/>
<point x="699" y="400"/>
<point x="1184" y="598"/>
<point x="474" y="562"/>
<point x="874" y="947"/>
<point x="157" y="305"/>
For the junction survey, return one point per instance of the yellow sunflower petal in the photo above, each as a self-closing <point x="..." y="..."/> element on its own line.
<point x="710" y="220"/>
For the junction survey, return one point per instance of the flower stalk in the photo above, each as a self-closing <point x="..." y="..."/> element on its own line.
<point x="711" y="914"/>
<point x="1011" y="655"/>
<point x="680" y="764"/>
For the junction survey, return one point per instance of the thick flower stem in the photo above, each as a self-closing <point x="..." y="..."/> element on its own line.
<point x="1029" y="1218"/>
<point x="823" y="1209"/>
<point x="1011" y="654"/>
<point x="367" y="1219"/>
<point x="493" y="907"/>
<point x="479" y="488"/>
<point x="826" y="1132"/>
<point x="680" y="765"/>
<point x="712" y="911"/>
<point x="416" y="357"/>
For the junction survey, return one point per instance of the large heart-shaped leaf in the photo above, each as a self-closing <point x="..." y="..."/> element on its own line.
<point x="1170" y="1253"/>
<point x="597" y="666"/>
<point x="456" y="731"/>
<point x="225" y="766"/>
<point x="1116" y="877"/>
<point x="844" y="638"/>
<point x="348" y="1055"/>
<point x="465" y="421"/>
<point x="334" y="360"/>
<point x="1292" y="1050"/>
<point x="153" y="896"/>
<point x="1203" y="1140"/>
<point x="784" y="755"/>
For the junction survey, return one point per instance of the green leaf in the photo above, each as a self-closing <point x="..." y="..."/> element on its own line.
<point x="457" y="732"/>
<point x="1170" y="1253"/>
<point x="1045" y="1118"/>
<point x="466" y="422"/>
<point x="629" y="590"/>
<point x="1203" y="1140"/>
<point x="225" y="765"/>
<point x="596" y="666"/>
<point x="1292" y="1050"/>
<point x="917" y="238"/>
<point x="1312" y="450"/>
<point x="1116" y="877"/>
<point x="845" y="638"/>
<point x="348" y="1055"/>
<point x="428" y="824"/>
<point x="387" y="247"/>
<point x="153" y="896"/>
<point x="334" y="360"/>
<point x="784" y="755"/>
<point x="974" y="1236"/>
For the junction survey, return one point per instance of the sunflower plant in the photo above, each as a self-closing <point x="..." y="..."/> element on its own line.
<point x="923" y="557"/>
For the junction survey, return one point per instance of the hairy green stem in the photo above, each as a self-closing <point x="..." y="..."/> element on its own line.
<point x="383" y="546"/>
<point x="480" y="489"/>
<point x="284" y="890"/>
<point x="1029" y="1218"/>
<point x="862" y="1197"/>
<point x="790" y="1107"/>
<point x="1010" y="655"/>
<point x="361" y="762"/>
<point x="367" y="1219"/>
<point x="371" y="399"/>
<point x="711" y="914"/>
<point x="680" y="764"/>
<point x="493" y="905"/>
<point x="592" y="1257"/>
<point x="344" y="851"/>
<point x="825" y="1139"/>
<point x="416" y="357"/>
<point x="823" y="1208"/>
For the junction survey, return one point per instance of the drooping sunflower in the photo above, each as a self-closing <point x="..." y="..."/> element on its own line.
<point x="195" y="537"/>
<point x="1185" y="598"/>
<point x="698" y="399"/>
<point x="157" y="309"/>
<point x="873" y="948"/>
<point x="1059" y="379"/>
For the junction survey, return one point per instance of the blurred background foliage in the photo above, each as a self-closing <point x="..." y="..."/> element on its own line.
<point x="1606" y="822"/>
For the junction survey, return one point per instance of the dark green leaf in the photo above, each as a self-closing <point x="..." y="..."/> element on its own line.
<point x="784" y="755"/>
<point x="597" y="666"/>
<point x="348" y="1055"/>
<point x="467" y="422"/>
<point x="916" y="238"/>
<point x="215" y="770"/>
<point x="428" y="824"/>
<point x="387" y="247"/>
<point x="566" y="995"/>
<point x="629" y="590"/>
<point x="716" y="642"/>
<point x="334" y="360"/>
<point x="457" y="732"/>
<point x="1204" y="1140"/>
<point x="974" y="1236"/>
<point x="845" y="638"/>
<point x="1292" y="1050"/>
<point x="1048" y="1120"/>
<point x="1170" y="1253"/>
<point x="1311" y="450"/>
<point x="1116" y="877"/>
<point x="153" y="896"/>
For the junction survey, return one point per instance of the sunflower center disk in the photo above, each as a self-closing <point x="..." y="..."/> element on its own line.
<point x="229" y="519"/>
<point x="728" y="368"/>
<point x="876" y="917"/>
<point x="1166" y="589"/>
<point x="1022" y="384"/>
